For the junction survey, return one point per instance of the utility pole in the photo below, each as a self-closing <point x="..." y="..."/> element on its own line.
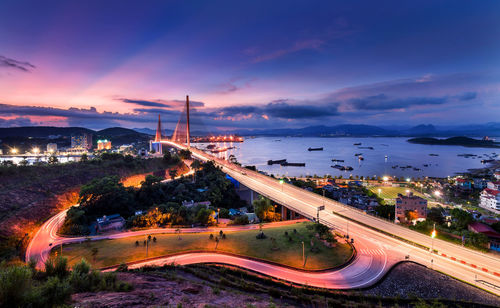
<point x="303" y="255"/>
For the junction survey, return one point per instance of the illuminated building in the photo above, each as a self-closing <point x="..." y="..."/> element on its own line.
<point x="411" y="203"/>
<point x="83" y="141"/>
<point x="103" y="144"/>
<point x="51" y="147"/>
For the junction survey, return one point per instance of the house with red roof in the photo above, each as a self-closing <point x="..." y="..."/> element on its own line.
<point x="493" y="236"/>
<point x="490" y="199"/>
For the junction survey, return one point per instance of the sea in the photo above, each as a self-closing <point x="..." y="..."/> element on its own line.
<point x="387" y="157"/>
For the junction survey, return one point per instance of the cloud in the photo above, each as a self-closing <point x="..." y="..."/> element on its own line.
<point x="280" y="109"/>
<point x="19" y="65"/>
<point x="467" y="96"/>
<point x="18" y="121"/>
<point x="168" y="104"/>
<point x="300" y="45"/>
<point x="382" y="102"/>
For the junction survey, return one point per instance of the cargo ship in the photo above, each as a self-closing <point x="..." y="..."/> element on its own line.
<point x="285" y="164"/>
<point x="278" y="162"/>
<point x="315" y="149"/>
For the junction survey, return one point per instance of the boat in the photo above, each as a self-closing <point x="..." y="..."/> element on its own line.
<point x="337" y="167"/>
<point x="338" y="160"/>
<point x="315" y="149"/>
<point x="361" y="157"/>
<point x="348" y="168"/>
<point x="278" y="162"/>
<point x="357" y="154"/>
<point x="426" y="165"/>
<point x="219" y="150"/>
<point x="369" y="148"/>
<point x="293" y="164"/>
<point x="211" y="146"/>
<point x="433" y="154"/>
<point x="417" y="169"/>
<point x="484" y="161"/>
<point x="358" y="143"/>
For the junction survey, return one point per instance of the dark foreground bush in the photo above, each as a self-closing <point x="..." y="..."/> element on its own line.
<point x="25" y="286"/>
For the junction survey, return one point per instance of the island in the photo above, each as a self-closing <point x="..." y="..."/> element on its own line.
<point x="462" y="141"/>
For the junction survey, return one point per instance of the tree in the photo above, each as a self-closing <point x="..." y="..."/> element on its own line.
<point x="435" y="214"/>
<point x="53" y="160"/>
<point x="167" y="157"/>
<point x="205" y="216"/>
<point x="106" y="196"/>
<point x="461" y="219"/>
<point x="84" y="157"/>
<point x="411" y="216"/>
<point x="172" y="173"/>
<point x="196" y="165"/>
<point x="265" y="210"/>
<point x="185" y="154"/>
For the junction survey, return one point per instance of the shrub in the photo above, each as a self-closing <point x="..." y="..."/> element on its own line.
<point x="55" y="292"/>
<point x="14" y="282"/>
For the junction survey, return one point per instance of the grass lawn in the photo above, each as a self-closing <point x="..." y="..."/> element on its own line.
<point x="112" y="252"/>
<point x="392" y="192"/>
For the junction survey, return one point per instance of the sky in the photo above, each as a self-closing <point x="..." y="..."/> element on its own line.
<point x="249" y="64"/>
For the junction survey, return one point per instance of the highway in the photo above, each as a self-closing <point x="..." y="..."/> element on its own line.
<point x="474" y="267"/>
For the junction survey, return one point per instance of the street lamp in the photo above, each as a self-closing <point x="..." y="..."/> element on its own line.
<point x="36" y="150"/>
<point x="379" y="191"/>
<point x="433" y="235"/>
<point x="282" y="182"/>
<point x="408" y="180"/>
<point x="437" y="193"/>
<point x="218" y="211"/>
<point x="13" y="151"/>
<point x="385" y="179"/>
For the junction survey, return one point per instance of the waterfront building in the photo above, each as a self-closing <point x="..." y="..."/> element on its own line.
<point x="410" y="203"/>
<point x="103" y="144"/>
<point x="490" y="199"/>
<point x="52" y="147"/>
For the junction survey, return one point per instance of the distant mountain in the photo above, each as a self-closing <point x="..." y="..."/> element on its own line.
<point x="463" y="141"/>
<point x="321" y="130"/>
<point x="421" y="130"/>
<point x="116" y="131"/>
<point x="152" y="132"/>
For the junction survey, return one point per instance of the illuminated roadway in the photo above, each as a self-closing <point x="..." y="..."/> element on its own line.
<point x="376" y="251"/>
<point x="474" y="267"/>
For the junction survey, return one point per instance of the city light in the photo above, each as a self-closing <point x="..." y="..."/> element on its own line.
<point x="433" y="234"/>
<point x="36" y="150"/>
<point x="385" y="179"/>
<point x="437" y="193"/>
<point x="13" y="150"/>
<point x="379" y="191"/>
<point x="408" y="179"/>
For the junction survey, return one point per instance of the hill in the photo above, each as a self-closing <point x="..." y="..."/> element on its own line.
<point x="462" y="141"/>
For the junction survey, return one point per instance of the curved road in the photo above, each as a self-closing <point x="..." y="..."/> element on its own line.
<point x="371" y="263"/>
